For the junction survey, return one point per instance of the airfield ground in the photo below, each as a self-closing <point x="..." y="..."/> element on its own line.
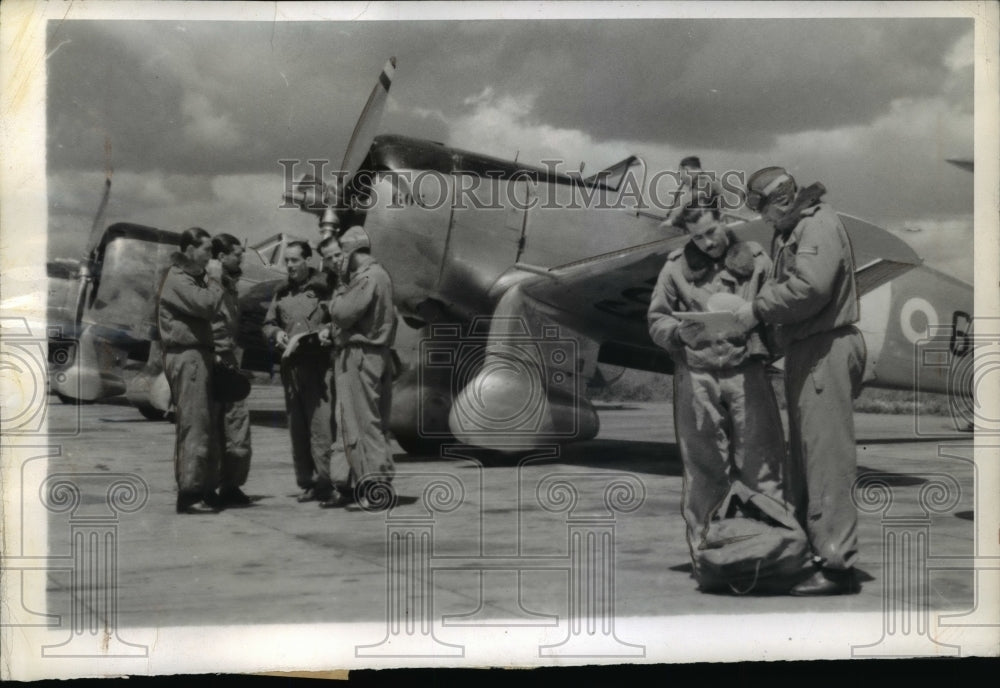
<point x="282" y="562"/>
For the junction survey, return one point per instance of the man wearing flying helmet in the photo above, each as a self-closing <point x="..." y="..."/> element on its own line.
<point x="363" y="330"/>
<point x="726" y="417"/>
<point x="811" y="302"/>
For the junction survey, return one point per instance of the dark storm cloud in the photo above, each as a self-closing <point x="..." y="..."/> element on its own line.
<point x="225" y="97"/>
<point x="731" y="84"/>
<point x="218" y="97"/>
<point x="721" y="83"/>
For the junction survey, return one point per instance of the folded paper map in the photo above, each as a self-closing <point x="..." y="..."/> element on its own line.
<point x="716" y="323"/>
<point x="300" y="339"/>
<point x="720" y="318"/>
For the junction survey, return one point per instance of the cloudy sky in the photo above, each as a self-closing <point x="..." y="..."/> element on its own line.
<point x="193" y="116"/>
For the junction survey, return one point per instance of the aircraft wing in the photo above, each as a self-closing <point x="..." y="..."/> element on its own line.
<point x="963" y="164"/>
<point x="606" y="297"/>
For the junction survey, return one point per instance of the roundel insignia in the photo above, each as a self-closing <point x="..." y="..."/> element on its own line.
<point x="906" y="319"/>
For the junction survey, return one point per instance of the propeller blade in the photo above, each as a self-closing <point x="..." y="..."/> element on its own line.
<point x="95" y="228"/>
<point x="310" y="195"/>
<point x="368" y="123"/>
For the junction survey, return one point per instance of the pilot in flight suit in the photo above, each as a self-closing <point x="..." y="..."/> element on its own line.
<point x="186" y="305"/>
<point x="812" y="304"/>
<point x="234" y="416"/>
<point x="297" y="308"/>
<point x="363" y="327"/>
<point x="725" y="415"/>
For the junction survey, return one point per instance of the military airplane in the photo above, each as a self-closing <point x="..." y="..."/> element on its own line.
<point x="101" y="314"/>
<point x="513" y="283"/>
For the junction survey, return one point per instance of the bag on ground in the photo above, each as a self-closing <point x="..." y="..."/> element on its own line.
<point x="753" y="544"/>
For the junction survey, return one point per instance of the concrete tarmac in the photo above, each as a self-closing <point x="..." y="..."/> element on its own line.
<point x="498" y="536"/>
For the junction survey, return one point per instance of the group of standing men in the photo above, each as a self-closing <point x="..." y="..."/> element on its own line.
<point x="333" y="330"/>
<point x="802" y="303"/>
<point x="335" y="327"/>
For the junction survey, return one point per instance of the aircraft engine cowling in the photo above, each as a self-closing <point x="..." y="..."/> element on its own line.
<point x="91" y="370"/>
<point x="149" y="390"/>
<point x="514" y="404"/>
<point x="528" y="390"/>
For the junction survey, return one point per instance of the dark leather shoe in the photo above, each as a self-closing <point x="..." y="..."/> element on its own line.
<point x="376" y="496"/>
<point x="200" y="508"/>
<point x="337" y="500"/>
<point x="188" y="504"/>
<point x="827" y="582"/>
<point x="213" y="500"/>
<point x="234" y="498"/>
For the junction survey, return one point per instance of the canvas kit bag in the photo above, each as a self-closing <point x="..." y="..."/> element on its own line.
<point x="753" y="544"/>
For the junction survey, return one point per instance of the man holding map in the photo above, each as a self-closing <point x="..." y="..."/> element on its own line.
<point x="726" y="417"/>
<point x="291" y="325"/>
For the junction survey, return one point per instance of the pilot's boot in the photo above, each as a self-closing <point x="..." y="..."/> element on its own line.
<point x="828" y="582"/>
<point x="340" y="496"/>
<point x="234" y="497"/>
<point x="194" y="503"/>
<point x="375" y="495"/>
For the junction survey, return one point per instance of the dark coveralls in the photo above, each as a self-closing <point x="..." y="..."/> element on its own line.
<point x="305" y="374"/>
<point x="234" y="416"/>
<point x="364" y="328"/>
<point x="812" y="300"/>
<point x="726" y="417"/>
<point x="185" y="308"/>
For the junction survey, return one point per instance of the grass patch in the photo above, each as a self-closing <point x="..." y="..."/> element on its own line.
<point x="902" y="401"/>
<point x="637" y="385"/>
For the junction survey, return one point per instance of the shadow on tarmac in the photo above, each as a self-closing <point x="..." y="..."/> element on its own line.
<point x="914" y="440"/>
<point x="891" y="479"/>
<point x="269" y="419"/>
<point x="655" y="458"/>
